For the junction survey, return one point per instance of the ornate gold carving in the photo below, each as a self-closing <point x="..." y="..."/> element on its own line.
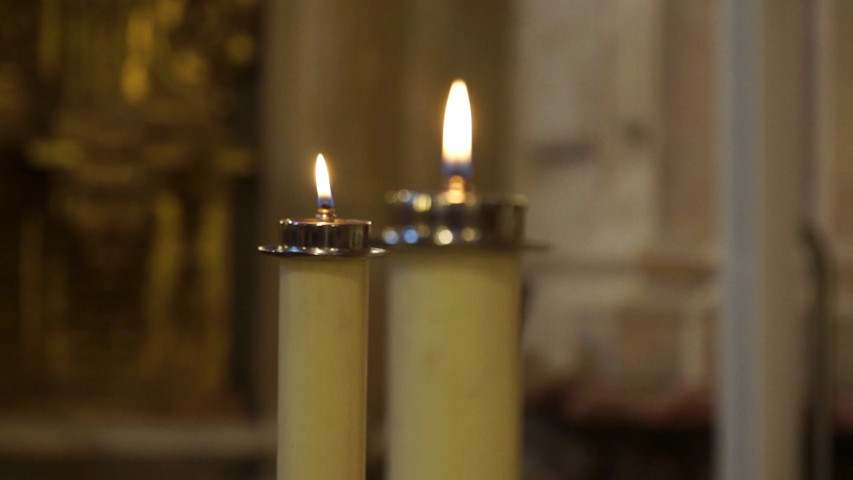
<point x="125" y="278"/>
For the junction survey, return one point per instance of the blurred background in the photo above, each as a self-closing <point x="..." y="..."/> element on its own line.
<point x="148" y="146"/>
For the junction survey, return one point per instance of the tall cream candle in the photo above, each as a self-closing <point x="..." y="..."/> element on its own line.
<point x="322" y="343"/>
<point x="454" y="312"/>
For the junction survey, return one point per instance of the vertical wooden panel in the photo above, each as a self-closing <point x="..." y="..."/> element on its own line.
<point x="690" y="144"/>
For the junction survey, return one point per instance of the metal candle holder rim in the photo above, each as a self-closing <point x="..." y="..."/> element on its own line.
<point x="312" y="237"/>
<point x="431" y="219"/>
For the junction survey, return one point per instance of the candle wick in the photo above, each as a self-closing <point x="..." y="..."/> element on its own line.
<point x="326" y="213"/>
<point x="456" y="189"/>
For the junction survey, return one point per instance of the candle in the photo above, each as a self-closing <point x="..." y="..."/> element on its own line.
<point x="454" y="319"/>
<point x="322" y="342"/>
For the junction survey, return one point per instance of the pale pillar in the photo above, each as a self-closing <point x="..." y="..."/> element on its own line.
<point x="762" y="147"/>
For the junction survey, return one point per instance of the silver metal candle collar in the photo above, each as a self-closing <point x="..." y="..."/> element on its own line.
<point x="455" y="218"/>
<point x="324" y="236"/>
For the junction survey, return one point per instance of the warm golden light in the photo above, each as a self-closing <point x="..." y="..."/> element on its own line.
<point x="324" y="189"/>
<point x="456" y="144"/>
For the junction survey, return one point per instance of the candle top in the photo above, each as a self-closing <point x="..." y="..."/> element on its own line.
<point x="456" y="215"/>
<point x="437" y="219"/>
<point x="311" y="237"/>
<point x="325" y="235"/>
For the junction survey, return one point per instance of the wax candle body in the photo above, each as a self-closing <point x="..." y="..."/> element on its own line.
<point x="322" y="368"/>
<point x="453" y="360"/>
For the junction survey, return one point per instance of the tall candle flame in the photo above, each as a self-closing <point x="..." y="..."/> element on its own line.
<point x="324" y="189"/>
<point x="456" y="144"/>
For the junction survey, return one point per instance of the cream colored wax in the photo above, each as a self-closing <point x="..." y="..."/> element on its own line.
<point x="322" y="368"/>
<point x="454" y="369"/>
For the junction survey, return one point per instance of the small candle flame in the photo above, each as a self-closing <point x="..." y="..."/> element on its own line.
<point x="324" y="189"/>
<point x="456" y="144"/>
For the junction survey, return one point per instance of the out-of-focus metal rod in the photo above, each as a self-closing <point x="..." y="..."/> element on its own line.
<point x="821" y="372"/>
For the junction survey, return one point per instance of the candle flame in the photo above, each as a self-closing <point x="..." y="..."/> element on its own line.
<point x="324" y="189"/>
<point x="456" y="144"/>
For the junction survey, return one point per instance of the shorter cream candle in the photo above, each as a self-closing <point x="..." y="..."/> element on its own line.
<point x="322" y="370"/>
<point x="323" y="291"/>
